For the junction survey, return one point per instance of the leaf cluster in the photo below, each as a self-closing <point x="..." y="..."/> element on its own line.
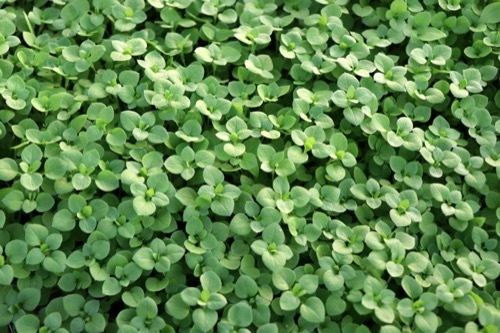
<point x="249" y="166"/>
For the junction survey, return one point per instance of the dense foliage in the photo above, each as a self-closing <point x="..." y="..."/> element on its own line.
<point x="249" y="166"/>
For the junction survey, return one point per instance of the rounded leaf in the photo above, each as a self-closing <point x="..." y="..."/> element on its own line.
<point x="240" y="314"/>
<point x="313" y="310"/>
<point x="204" y="319"/>
<point x="8" y="169"/>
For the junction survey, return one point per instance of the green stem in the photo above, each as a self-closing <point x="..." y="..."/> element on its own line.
<point x="434" y="70"/>
<point x="22" y="144"/>
<point x="278" y="40"/>
<point x="196" y="18"/>
<point x="153" y="44"/>
<point x="28" y="23"/>
<point x="40" y="29"/>
<point x="183" y="59"/>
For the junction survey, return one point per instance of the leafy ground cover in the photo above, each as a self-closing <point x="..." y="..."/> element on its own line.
<point x="249" y="166"/>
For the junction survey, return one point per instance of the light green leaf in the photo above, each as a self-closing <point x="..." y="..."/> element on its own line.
<point x="14" y="200"/>
<point x="489" y="15"/>
<point x="107" y="181"/>
<point x="144" y="258"/>
<point x="80" y="181"/>
<point x="210" y="281"/>
<point x="313" y="310"/>
<point x="213" y="176"/>
<point x="64" y="220"/>
<point x="32" y="154"/>
<point x="288" y="301"/>
<point x="204" y="320"/>
<point x="6" y="275"/>
<point x="463" y="211"/>
<point x="222" y="206"/>
<point x="274" y="261"/>
<point x="8" y="169"/>
<point x="143" y="207"/>
<point x="240" y="314"/>
<point x="27" y="323"/>
<point x="175" y="164"/>
<point x="147" y="308"/>
<point x="111" y="286"/>
<point x="16" y="250"/>
<point x="32" y="181"/>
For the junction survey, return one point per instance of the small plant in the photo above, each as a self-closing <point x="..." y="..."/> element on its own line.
<point x="247" y="166"/>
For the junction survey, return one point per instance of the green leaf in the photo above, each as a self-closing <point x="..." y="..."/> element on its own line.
<point x="465" y="306"/>
<point x="16" y="250"/>
<point x="147" y="308"/>
<point x="107" y="181"/>
<point x="190" y="296"/>
<point x="44" y="202"/>
<point x="288" y="301"/>
<point x="274" y="233"/>
<point x="313" y="310"/>
<point x="240" y="314"/>
<point x="216" y="301"/>
<point x="222" y="206"/>
<point x="6" y="275"/>
<point x="55" y="263"/>
<point x="187" y="196"/>
<point x="268" y="328"/>
<point x="463" y="211"/>
<point x="204" y="158"/>
<point x="31" y="182"/>
<point x="427" y="322"/>
<point x="73" y="304"/>
<point x="29" y="298"/>
<point x="53" y="320"/>
<point x="204" y="320"/>
<point x="315" y="37"/>
<point x="234" y="150"/>
<point x="32" y="154"/>
<point x="213" y="176"/>
<point x="143" y="207"/>
<point x="111" y="287"/>
<point x="415" y="261"/>
<point x="116" y="137"/>
<point x="76" y="203"/>
<point x="14" y="200"/>
<point x="381" y="122"/>
<point x="8" y="169"/>
<point x="144" y="258"/>
<point x="210" y="281"/>
<point x="175" y="164"/>
<point x="489" y="15"/>
<point x="385" y="313"/>
<point x="129" y="120"/>
<point x="431" y="34"/>
<point x="411" y="287"/>
<point x="35" y="256"/>
<point x="176" y="307"/>
<point x="27" y="323"/>
<point x="274" y="261"/>
<point x="245" y="287"/>
<point x="80" y="181"/>
<point x="64" y="220"/>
